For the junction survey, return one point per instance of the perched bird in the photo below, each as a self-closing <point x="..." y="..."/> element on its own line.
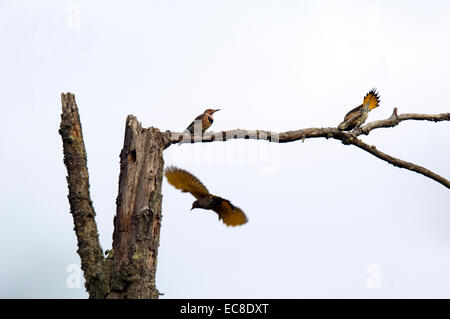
<point x="358" y="115"/>
<point x="203" y="121"/>
<point x="228" y="213"/>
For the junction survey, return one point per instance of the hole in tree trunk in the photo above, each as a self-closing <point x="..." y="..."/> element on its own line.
<point x="132" y="156"/>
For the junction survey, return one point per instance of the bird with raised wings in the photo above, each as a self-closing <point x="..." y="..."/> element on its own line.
<point x="188" y="183"/>
<point x="357" y="116"/>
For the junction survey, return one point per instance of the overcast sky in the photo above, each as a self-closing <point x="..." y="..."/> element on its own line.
<point x="325" y="220"/>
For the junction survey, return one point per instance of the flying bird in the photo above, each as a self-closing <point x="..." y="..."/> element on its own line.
<point x="227" y="212"/>
<point x="357" y="116"/>
<point x="204" y="121"/>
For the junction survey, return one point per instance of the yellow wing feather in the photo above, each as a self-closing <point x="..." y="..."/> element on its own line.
<point x="230" y="214"/>
<point x="181" y="179"/>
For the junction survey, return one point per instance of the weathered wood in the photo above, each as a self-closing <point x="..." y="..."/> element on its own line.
<point x="91" y="254"/>
<point x="138" y="218"/>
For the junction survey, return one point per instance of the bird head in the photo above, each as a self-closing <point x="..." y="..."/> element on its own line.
<point x="210" y="111"/>
<point x="195" y="204"/>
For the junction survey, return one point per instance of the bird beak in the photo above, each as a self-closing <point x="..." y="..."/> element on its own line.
<point x="216" y="110"/>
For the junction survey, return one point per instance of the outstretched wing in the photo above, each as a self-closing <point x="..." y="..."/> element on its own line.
<point x="372" y="99"/>
<point x="228" y="213"/>
<point x="181" y="179"/>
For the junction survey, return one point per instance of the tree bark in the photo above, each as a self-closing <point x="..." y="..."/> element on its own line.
<point x="75" y="159"/>
<point x="138" y="219"/>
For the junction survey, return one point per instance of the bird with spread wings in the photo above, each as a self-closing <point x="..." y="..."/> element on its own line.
<point x="188" y="183"/>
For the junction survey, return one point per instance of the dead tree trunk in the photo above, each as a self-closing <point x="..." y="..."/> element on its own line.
<point x="129" y="269"/>
<point x="138" y="219"/>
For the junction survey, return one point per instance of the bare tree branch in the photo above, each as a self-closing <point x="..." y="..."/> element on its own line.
<point x="397" y="162"/>
<point x="301" y="134"/>
<point x="395" y="119"/>
<point x="327" y="132"/>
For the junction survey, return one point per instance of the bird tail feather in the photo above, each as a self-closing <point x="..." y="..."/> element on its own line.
<point x="372" y="99"/>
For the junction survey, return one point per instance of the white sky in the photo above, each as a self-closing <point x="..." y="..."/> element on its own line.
<point x="320" y="213"/>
